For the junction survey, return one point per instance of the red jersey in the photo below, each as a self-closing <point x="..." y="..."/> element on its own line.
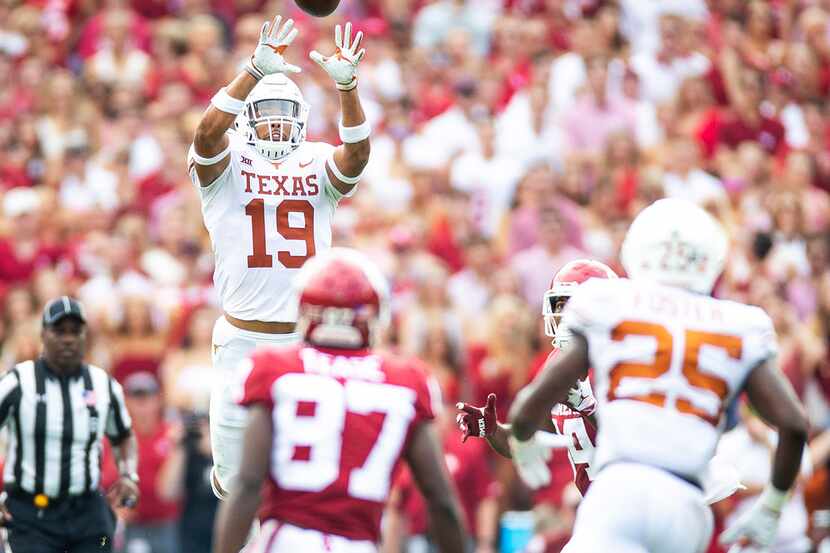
<point x="342" y="420"/>
<point x="584" y="434"/>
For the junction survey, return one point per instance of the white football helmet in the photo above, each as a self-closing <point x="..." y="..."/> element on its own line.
<point x="276" y="104"/>
<point x="677" y="243"/>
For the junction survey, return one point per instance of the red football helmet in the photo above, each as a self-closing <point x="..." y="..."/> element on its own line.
<point x="562" y="287"/>
<point x="343" y="300"/>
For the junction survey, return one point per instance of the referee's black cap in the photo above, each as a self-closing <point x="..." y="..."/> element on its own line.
<point x="61" y="307"/>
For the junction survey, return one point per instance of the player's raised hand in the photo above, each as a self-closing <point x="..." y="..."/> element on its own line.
<point x="755" y="530"/>
<point x="477" y="421"/>
<point x="342" y="65"/>
<point x="268" y="57"/>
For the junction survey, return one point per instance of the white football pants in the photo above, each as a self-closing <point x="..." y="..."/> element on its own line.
<point x="633" y="508"/>
<point x="227" y="419"/>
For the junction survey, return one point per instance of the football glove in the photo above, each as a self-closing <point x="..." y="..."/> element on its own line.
<point x="342" y="65"/>
<point x="581" y="398"/>
<point x="531" y="460"/>
<point x="755" y="530"/>
<point x="268" y="56"/>
<point x="477" y="421"/>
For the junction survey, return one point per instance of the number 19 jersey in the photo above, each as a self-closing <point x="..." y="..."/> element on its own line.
<point x="341" y="422"/>
<point x="265" y="219"/>
<point x="666" y="363"/>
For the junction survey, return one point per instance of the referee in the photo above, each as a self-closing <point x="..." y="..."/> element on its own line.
<point x="57" y="410"/>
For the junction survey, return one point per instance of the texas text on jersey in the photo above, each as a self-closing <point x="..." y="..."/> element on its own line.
<point x="262" y="216"/>
<point x="341" y="422"/>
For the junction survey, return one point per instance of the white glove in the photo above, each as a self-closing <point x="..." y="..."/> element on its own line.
<point x="720" y="480"/>
<point x="581" y="398"/>
<point x="268" y="56"/>
<point x="755" y="530"/>
<point x="531" y="457"/>
<point x="342" y="65"/>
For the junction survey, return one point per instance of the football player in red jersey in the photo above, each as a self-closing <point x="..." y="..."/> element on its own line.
<point x="330" y="421"/>
<point x="573" y="419"/>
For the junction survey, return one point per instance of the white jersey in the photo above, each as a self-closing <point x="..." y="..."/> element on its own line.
<point x="265" y="219"/>
<point x="666" y="363"/>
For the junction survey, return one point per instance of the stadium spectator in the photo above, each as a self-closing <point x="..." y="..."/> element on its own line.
<point x="152" y="527"/>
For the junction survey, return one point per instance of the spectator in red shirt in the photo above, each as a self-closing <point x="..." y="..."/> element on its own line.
<point x="746" y="120"/>
<point x="152" y="526"/>
<point x="22" y="251"/>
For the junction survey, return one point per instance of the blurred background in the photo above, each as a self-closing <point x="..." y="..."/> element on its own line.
<point x="510" y="136"/>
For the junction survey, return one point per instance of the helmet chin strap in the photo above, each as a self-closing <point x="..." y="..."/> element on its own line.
<point x="562" y="338"/>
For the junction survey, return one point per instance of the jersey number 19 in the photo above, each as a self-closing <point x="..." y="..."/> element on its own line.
<point x="261" y="258"/>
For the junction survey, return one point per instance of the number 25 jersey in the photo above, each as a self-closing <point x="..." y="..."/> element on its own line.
<point x="265" y="219"/>
<point x="341" y="422"/>
<point x="666" y="364"/>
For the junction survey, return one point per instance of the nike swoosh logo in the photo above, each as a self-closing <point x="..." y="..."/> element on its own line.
<point x="304" y="165"/>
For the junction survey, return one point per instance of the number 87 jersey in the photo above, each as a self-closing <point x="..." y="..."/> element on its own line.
<point x="342" y="420"/>
<point x="666" y="364"/>
<point x="265" y="219"/>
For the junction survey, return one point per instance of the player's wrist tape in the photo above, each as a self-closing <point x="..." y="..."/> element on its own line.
<point x="337" y="173"/>
<point x="227" y="103"/>
<point x="201" y="160"/>
<point x="346" y="86"/>
<point x="351" y="135"/>
<point x="252" y="69"/>
<point x="773" y="498"/>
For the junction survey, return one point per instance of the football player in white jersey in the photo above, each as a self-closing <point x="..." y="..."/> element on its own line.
<point x="268" y="197"/>
<point x="667" y="360"/>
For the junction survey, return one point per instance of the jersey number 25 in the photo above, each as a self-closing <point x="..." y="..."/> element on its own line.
<point x="689" y="365"/>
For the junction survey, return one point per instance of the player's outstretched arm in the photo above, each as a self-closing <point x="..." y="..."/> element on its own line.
<point x="426" y="460"/>
<point x="483" y="422"/>
<point x="774" y="399"/>
<point x="210" y="145"/>
<point x="349" y="160"/>
<point x="534" y="402"/>
<point x="233" y="522"/>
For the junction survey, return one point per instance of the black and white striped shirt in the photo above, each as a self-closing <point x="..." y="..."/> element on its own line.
<point x="56" y="427"/>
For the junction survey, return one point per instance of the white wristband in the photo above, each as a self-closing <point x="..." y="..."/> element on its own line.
<point x="208" y="160"/>
<point x="773" y="498"/>
<point x="227" y="103"/>
<point x="345" y="87"/>
<point x="350" y="135"/>
<point x="252" y="69"/>
<point x="337" y="173"/>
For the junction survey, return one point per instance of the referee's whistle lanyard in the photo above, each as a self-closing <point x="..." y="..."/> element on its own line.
<point x="41" y="500"/>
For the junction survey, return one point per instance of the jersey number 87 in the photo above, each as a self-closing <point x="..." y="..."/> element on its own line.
<point x="310" y="417"/>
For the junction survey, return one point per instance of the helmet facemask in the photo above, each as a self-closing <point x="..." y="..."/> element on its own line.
<point x="553" y="306"/>
<point x="276" y="126"/>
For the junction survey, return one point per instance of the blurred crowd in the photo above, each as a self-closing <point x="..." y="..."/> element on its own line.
<point x="510" y="136"/>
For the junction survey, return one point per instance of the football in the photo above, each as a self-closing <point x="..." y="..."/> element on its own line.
<point x="318" y="8"/>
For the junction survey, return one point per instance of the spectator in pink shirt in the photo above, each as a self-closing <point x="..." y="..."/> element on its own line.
<point x="536" y="265"/>
<point x="596" y="114"/>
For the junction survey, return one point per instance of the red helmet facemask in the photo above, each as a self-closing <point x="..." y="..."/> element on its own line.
<point x="342" y="300"/>
<point x="562" y="287"/>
